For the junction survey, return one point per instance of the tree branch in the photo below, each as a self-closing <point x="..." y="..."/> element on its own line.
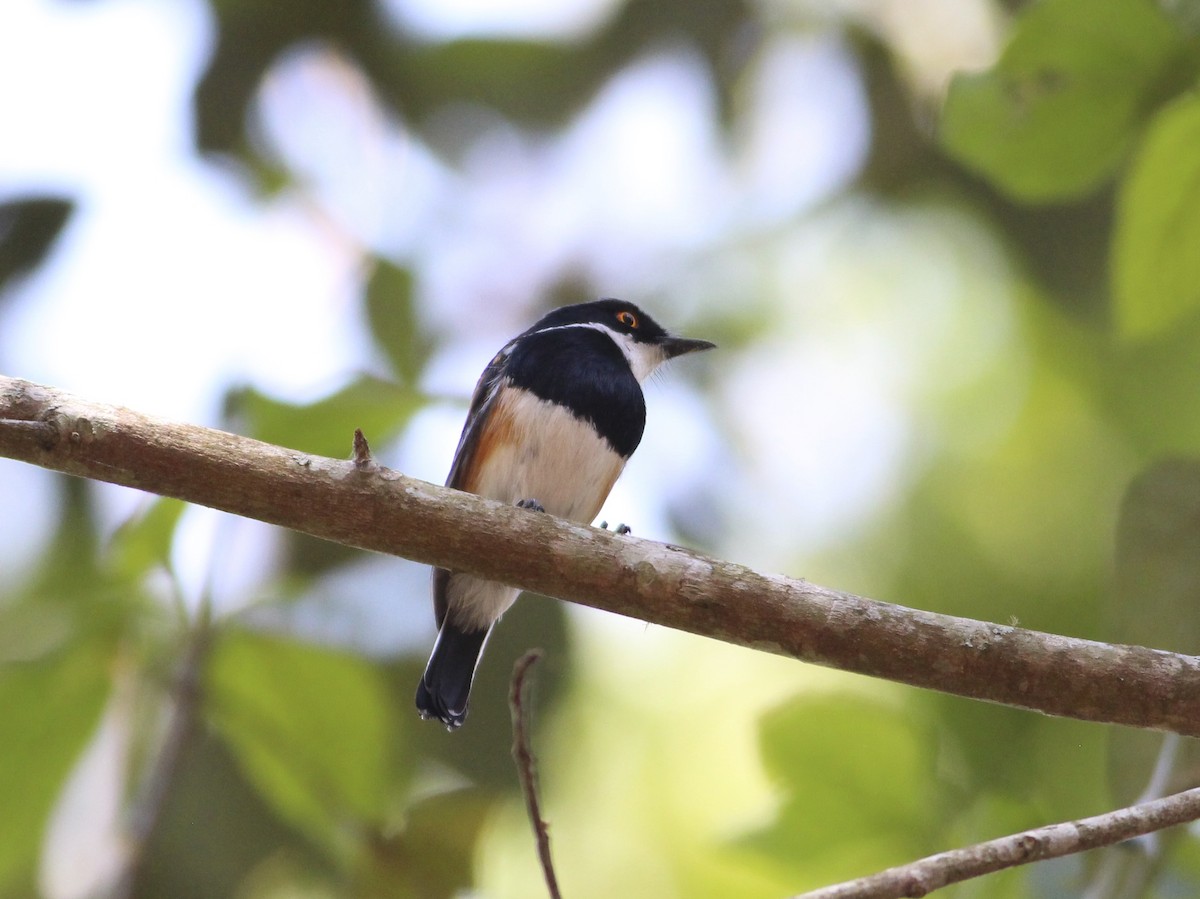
<point x="921" y="877"/>
<point x="522" y="751"/>
<point x="384" y="511"/>
<point x="150" y="802"/>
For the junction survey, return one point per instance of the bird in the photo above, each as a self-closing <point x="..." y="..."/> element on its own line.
<point x="555" y="416"/>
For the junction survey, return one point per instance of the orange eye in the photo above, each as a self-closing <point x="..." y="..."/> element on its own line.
<point x="627" y="318"/>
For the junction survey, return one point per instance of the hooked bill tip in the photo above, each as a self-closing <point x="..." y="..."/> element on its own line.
<point x="678" y="346"/>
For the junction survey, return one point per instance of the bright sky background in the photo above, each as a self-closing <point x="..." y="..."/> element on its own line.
<point x="173" y="280"/>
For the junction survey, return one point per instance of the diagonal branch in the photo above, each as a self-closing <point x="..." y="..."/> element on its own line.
<point x="384" y="511"/>
<point x="922" y="877"/>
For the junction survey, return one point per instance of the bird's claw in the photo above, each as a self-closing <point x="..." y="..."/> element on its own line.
<point x="620" y="530"/>
<point x="531" y="504"/>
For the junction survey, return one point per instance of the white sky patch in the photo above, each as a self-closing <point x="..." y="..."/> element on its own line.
<point x="823" y="440"/>
<point x="171" y="280"/>
<point x="176" y="290"/>
<point x="533" y="19"/>
<point x="178" y="280"/>
<point x="637" y="176"/>
<point x="804" y="130"/>
<point x="678" y="450"/>
<point x="318" y="115"/>
<point x="34" y="496"/>
<point x="79" y="108"/>
<point x="228" y="558"/>
<point x="174" y="281"/>
<point x="644" y="159"/>
<point x="377" y="605"/>
<point x="85" y="842"/>
<point x="890" y="308"/>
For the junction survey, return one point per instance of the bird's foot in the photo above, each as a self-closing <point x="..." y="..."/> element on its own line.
<point x="531" y="504"/>
<point x="620" y="530"/>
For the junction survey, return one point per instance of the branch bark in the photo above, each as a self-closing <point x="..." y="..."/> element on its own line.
<point x="384" y="511"/>
<point x="522" y="752"/>
<point x="922" y="877"/>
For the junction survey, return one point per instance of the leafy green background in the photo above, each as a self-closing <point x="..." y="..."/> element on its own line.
<point x="1052" y="478"/>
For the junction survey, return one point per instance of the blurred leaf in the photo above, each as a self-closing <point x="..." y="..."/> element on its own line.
<point x="1158" y="558"/>
<point x="1055" y="116"/>
<point x="497" y="74"/>
<point x="143" y="542"/>
<point x="69" y="567"/>
<point x="541" y="83"/>
<point x="312" y="728"/>
<point x="326" y="427"/>
<point x="27" y="231"/>
<point x="57" y="646"/>
<point x="49" y="707"/>
<point x="433" y="857"/>
<point x="1150" y="385"/>
<point x="1156" y="266"/>
<point x="1155" y="601"/>
<point x="72" y="596"/>
<point x="393" y="320"/>
<point x="216" y="833"/>
<point x="532" y="82"/>
<point x="857" y="782"/>
<point x="249" y="36"/>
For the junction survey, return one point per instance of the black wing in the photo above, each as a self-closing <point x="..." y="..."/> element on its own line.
<point x="481" y="406"/>
<point x="482" y="402"/>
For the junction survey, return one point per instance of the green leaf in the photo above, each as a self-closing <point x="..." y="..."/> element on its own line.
<point x="1055" y="116"/>
<point x="434" y="855"/>
<point x="326" y="427"/>
<point x="314" y="729"/>
<point x="49" y="707"/>
<point x="1157" y="583"/>
<point x="144" y="541"/>
<point x="857" y="782"/>
<point x="1158" y="558"/>
<point x="1156" y="263"/>
<point x="28" y="229"/>
<point x="391" y="313"/>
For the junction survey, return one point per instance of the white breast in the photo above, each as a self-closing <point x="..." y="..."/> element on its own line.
<point x="541" y="452"/>
<point x="549" y="455"/>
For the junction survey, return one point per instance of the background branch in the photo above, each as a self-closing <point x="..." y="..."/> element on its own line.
<point x="182" y="716"/>
<point x="921" y="877"/>
<point x="522" y="750"/>
<point x="384" y="511"/>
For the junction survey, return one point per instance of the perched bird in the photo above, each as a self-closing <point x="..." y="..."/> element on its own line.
<point x="554" y="417"/>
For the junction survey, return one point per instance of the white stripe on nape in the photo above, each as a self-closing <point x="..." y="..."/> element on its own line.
<point x="643" y="358"/>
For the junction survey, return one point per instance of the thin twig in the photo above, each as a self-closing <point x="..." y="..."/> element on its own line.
<point x="522" y="751"/>
<point x="147" y="808"/>
<point x="922" y="877"/>
<point x="1120" y="873"/>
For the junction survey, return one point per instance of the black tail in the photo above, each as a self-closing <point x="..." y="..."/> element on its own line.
<point x="445" y="689"/>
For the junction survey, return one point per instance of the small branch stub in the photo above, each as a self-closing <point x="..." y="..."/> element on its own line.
<point x="363" y="460"/>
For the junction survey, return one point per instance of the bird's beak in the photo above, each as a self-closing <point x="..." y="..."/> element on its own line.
<point x="677" y="346"/>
